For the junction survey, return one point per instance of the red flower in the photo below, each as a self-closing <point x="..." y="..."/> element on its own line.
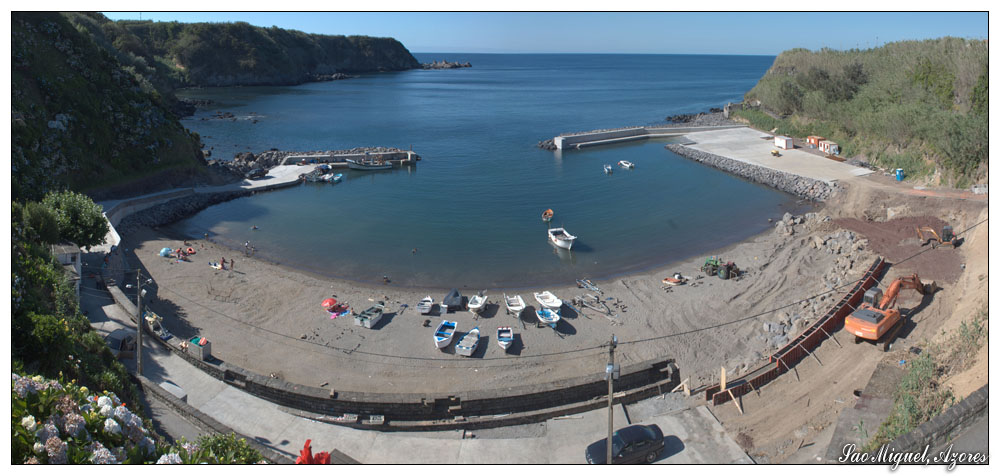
<point x="322" y="458"/>
<point x="306" y="456"/>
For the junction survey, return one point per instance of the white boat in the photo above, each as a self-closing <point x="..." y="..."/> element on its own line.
<point x="444" y="333"/>
<point x="326" y="178"/>
<point x="368" y="164"/>
<point x="676" y="280"/>
<point x="548" y="300"/>
<point x="370" y="317"/>
<point x="336" y="178"/>
<point x="505" y="337"/>
<point x="561" y="238"/>
<point x="425" y="305"/>
<point x="626" y="164"/>
<point x="548" y="316"/>
<point x="467" y="346"/>
<point x="608" y="169"/>
<point x="515" y="305"/>
<point x="477" y="303"/>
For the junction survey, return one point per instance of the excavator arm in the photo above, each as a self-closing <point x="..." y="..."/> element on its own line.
<point x="904" y="282"/>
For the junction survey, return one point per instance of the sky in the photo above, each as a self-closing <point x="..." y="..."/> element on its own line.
<point x="749" y="33"/>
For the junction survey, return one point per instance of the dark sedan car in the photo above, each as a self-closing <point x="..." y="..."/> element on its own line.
<point x="632" y="444"/>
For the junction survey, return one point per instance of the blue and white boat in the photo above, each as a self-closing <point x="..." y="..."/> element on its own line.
<point x="467" y="346"/>
<point x="505" y="337"/>
<point x="336" y="178"/>
<point x="444" y="333"/>
<point x="548" y="316"/>
<point x="608" y="170"/>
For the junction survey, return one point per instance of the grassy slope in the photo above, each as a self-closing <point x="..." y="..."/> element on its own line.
<point x="920" y="105"/>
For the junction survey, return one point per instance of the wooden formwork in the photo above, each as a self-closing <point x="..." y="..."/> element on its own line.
<point x="792" y="353"/>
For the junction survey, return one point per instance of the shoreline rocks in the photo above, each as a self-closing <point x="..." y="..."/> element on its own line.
<point x="794" y="184"/>
<point x="243" y="162"/>
<point x="445" y="65"/>
<point x="174" y="210"/>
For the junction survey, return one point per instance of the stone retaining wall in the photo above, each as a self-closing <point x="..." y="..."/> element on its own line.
<point x="797" y="185"/>
<point x="174" y="210"/>
<point x="939" y="429"/>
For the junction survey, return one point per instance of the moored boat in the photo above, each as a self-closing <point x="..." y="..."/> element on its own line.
<point x="368" y="164"/>
<point x="548" y="317"/>
<point x="477" y="303"/>
<point x="608" y="169"/>
<point x="561" y="238"/>
<point x="548" y="300"/>
<point x="467" y="346"/>
<point x="547" y="215"/>
<point x="336" y="178"/>
<point x="370" y="317"/>
<point x="626" y="164"/>
<point x="444" y="333"/>
<point x="425" y="305"/>
<point x="326" y="178"/>
<point x="505" y="337"/>
<point x="515" y="305"/>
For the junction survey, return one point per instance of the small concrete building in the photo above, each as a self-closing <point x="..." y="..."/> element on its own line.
<point x="813" y="141"/>
<point x="68" y="255"/>
<point x="783" y="142"/>
<point x="829" y="147"/>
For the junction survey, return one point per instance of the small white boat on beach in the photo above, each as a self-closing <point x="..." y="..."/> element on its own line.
<point x="425" y="305"/>
<point x="626" y="164"/>
<point x="608" y="169"/>
<point x="370" y="317"/>
<point x="477" y="303"/>
<point x="444" y="333"/>
<point x="505" y="337"/>
<point x="515" y="305"/>
<point x="561" y="238"/>
<point x="548" y="317"/>
<point x="467" y="346"/>
<point x="548" y="300"/>
<point x="676" y="280"/>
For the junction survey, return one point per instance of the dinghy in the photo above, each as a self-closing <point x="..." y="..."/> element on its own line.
<point x="326" y="178"/>
<point x="515" y="305"/>
<point x="626" y="164"/>
<point x="336" y="178"/>
<point x="477" y="303"/>
<point x="451" y="301"/>
<point x="467" y="346"/>
<point x="561" y="238"/>
<point x="608" y="169"/>
<point x="370" y="316"/>
<point x="505" y="337"/>
<point x="425" y="305"/>
<point x="443" y="334"/>
<point x="547" y="215"/>
<point x="548" y="300"/>
<point x="676" y="280"/>
<point x="548" y="316"/>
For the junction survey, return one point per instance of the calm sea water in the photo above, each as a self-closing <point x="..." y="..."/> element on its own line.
<point x="472" y="206"/>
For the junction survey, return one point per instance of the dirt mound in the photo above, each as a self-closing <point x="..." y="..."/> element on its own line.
<point x="897" y="241"/>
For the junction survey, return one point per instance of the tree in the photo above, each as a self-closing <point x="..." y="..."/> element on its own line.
<point x="80" y="219"/>
<point x="40" y="221"/>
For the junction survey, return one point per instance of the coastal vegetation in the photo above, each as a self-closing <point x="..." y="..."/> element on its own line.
<point x="917" y="105"/>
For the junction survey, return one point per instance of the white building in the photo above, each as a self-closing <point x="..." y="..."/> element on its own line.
<point x="68" y="255"/>
<point x="783" y="142"/>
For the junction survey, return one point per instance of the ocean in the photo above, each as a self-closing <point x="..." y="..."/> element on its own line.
<point x="468" y="214"/>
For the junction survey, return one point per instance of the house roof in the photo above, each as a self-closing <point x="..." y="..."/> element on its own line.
<point x="66" y="247"/>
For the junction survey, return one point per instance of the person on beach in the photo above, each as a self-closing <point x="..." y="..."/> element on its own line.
<point x="253" y="228"/>
<point x="222" y="264"/>
<point x="232" y="263"/>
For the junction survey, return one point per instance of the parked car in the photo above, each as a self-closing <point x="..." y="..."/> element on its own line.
<point x="256" y="174"/>
<point x="632" y="444"/>
<point x="122" y="343"/>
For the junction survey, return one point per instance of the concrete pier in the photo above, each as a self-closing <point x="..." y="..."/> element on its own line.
<point x="588" y="139"/>
<point x="340" y="160"/>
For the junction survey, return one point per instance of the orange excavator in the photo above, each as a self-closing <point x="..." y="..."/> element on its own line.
<point x="877" y="318"/>
<point x="946" y="238"/>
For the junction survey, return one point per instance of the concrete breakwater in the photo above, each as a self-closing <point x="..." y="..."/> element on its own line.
<point x="610" y="136"/>
<point x="174" y="210"/>
<point x="794" y="184"/>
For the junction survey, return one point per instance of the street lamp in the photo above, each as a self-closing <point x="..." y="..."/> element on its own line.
<point x="138" y="318"/>
<point x="611" y="373"/>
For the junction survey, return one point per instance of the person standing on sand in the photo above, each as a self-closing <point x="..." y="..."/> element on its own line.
<point x="232" y="263"/>
<point x="223" y="262"/>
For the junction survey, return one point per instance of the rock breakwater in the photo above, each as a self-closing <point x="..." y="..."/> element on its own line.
<point x="445" y="65"/>
<point x="243" y="162"/>
<point x="794" y="184"/>
<point x="174" y="210"/>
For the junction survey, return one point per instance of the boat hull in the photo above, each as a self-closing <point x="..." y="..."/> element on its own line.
<point x="444" y="333"/>
<point x="505" y="337"/>
<point x="367" y="166"/>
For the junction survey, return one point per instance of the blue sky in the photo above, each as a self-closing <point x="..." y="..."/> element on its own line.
<point x="617" y="32"/>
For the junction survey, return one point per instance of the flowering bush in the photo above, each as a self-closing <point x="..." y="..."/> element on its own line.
<point x="56" y="423"/>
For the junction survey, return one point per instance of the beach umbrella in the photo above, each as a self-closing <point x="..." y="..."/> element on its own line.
<point x="329" y="302"/>
<point x="165" y="252"/>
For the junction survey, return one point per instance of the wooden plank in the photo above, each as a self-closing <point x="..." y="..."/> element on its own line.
<point x="738" y="407"/>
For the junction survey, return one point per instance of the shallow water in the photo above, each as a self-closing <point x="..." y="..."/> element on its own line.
<point x="472" y="207"/>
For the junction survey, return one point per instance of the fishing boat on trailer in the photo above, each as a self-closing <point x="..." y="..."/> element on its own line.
<point x="467" y="346"/>
<point x="515" y="305"/>
<point x="370" y="317"/>
<point x="444" y="333"/>
<point x="548" y="317"/>
<point x="548" y="300"/>
<point x="368" y="164"/>
<point x="505" y="337"/>
<point x="626" y="164"/>
<point x="477" y="303"/>
<point x="561" y="238"/>
<point x="676" y="280"/>
<point x="608" y="169"/>
<point x="425" y="305"/>
<point x="547" y="215"/>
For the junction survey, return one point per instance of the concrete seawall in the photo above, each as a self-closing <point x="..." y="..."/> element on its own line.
<point x="588" y="139"/>
<point x="794" y="184"/>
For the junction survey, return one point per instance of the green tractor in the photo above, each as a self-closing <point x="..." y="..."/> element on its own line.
<point x="715" y="266"/>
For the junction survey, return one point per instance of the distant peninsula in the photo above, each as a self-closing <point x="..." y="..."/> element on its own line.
<point x="445" y="65"/>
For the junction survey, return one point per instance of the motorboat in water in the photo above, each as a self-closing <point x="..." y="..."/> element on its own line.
<point x="467" y="346"/>
<point x="336" y="178"/>
<point x="561" y="238"/>
<point x="608" y="169"/>
<point x="626" y="164"/>
<point x="425" y="305"/>
<point x="368" y="164"/>
<point x="548" y="300"/>
<point x="548" y="317"/>
<point x="444" y="333"/>
<point x="515" y="305"/>
<point x="505" y="337"/>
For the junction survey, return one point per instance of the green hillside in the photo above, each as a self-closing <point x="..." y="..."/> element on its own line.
<point x="919" y="105"/>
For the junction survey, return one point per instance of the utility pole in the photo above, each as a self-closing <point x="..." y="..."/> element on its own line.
<point x="138" y="322"/>
<point x="610" y="371"/>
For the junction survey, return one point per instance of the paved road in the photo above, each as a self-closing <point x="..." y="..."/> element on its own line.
<point x="693" y="435"/>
